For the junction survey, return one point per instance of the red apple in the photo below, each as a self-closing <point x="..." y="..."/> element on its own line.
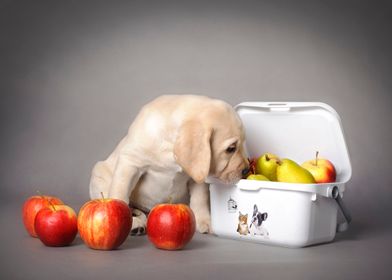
<point x="31" y="207"/>
<point x="56" y="225"/>
<point x="171" y="226"/>
<point x="322" y="170"/>
<point x="105" y="223"/>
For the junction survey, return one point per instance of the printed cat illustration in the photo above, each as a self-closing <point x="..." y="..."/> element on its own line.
<point x="243" y="228"/>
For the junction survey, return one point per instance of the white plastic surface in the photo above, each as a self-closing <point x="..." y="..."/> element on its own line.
<point x="294" y="219"/>
<point x="295" y="215"/>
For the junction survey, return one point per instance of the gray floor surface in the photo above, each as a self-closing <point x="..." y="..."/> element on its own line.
<point x="363" y="252"/>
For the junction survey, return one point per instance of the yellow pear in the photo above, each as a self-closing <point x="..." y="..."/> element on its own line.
<point x="290" y="172"/>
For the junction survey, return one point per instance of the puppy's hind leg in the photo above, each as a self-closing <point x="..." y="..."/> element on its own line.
<point x="125" y="177"/>
<point x="101" y="178"/>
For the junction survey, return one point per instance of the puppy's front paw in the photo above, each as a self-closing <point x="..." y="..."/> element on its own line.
<point x="204" y="225"/>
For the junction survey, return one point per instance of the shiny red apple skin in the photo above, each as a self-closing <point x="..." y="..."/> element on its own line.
<point x="32" y="206"/>
<point x="56" y="226"/>
<point x="104" y="224"/>
<point x="171" y="226"/>
<point x="323" y="170"/>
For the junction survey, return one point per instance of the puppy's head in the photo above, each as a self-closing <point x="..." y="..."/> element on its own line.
<point x="211" y="144"/>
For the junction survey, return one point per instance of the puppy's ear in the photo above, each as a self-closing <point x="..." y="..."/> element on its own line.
<point x="192" y="150"/>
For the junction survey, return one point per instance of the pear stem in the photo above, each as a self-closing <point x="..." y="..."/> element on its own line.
<point x="103" y="197"/>
<point x="317" y="153"/>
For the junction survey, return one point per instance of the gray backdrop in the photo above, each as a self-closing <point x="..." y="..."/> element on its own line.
<point x="73" y="75"/>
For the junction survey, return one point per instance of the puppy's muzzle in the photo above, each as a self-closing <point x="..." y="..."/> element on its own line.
<point x="245" y="171"/>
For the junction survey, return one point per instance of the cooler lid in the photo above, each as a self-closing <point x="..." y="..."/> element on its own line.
<point x="296" y="130"/>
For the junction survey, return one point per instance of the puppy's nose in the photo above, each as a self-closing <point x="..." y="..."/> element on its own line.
<point x="245" y="171"/>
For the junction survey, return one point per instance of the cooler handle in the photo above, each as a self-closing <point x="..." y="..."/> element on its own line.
<point x="346" y="213"/>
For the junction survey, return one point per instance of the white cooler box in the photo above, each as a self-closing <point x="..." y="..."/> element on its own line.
<point x="291" y="215"/>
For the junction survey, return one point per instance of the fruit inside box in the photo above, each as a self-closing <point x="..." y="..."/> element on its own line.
<point x="270" y="167"/>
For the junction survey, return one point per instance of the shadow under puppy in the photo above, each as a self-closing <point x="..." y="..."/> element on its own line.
<point x="173" y="145"/>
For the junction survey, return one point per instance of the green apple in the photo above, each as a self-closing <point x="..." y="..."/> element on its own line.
<point x="266" y="165"/>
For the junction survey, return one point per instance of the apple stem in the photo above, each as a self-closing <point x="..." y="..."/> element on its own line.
<point x="51" y="204"/>
<point x="103" y="197"/>
<point x="267" y="158"/>
<point x="47" y="199"/>
<point x="170" y="200"/>
<point x="317" y="153"/>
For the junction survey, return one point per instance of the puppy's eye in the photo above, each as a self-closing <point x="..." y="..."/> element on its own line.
<point x="231" y="149"/>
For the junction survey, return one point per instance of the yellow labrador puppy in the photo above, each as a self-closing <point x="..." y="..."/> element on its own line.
<point x="175" y="143"/>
